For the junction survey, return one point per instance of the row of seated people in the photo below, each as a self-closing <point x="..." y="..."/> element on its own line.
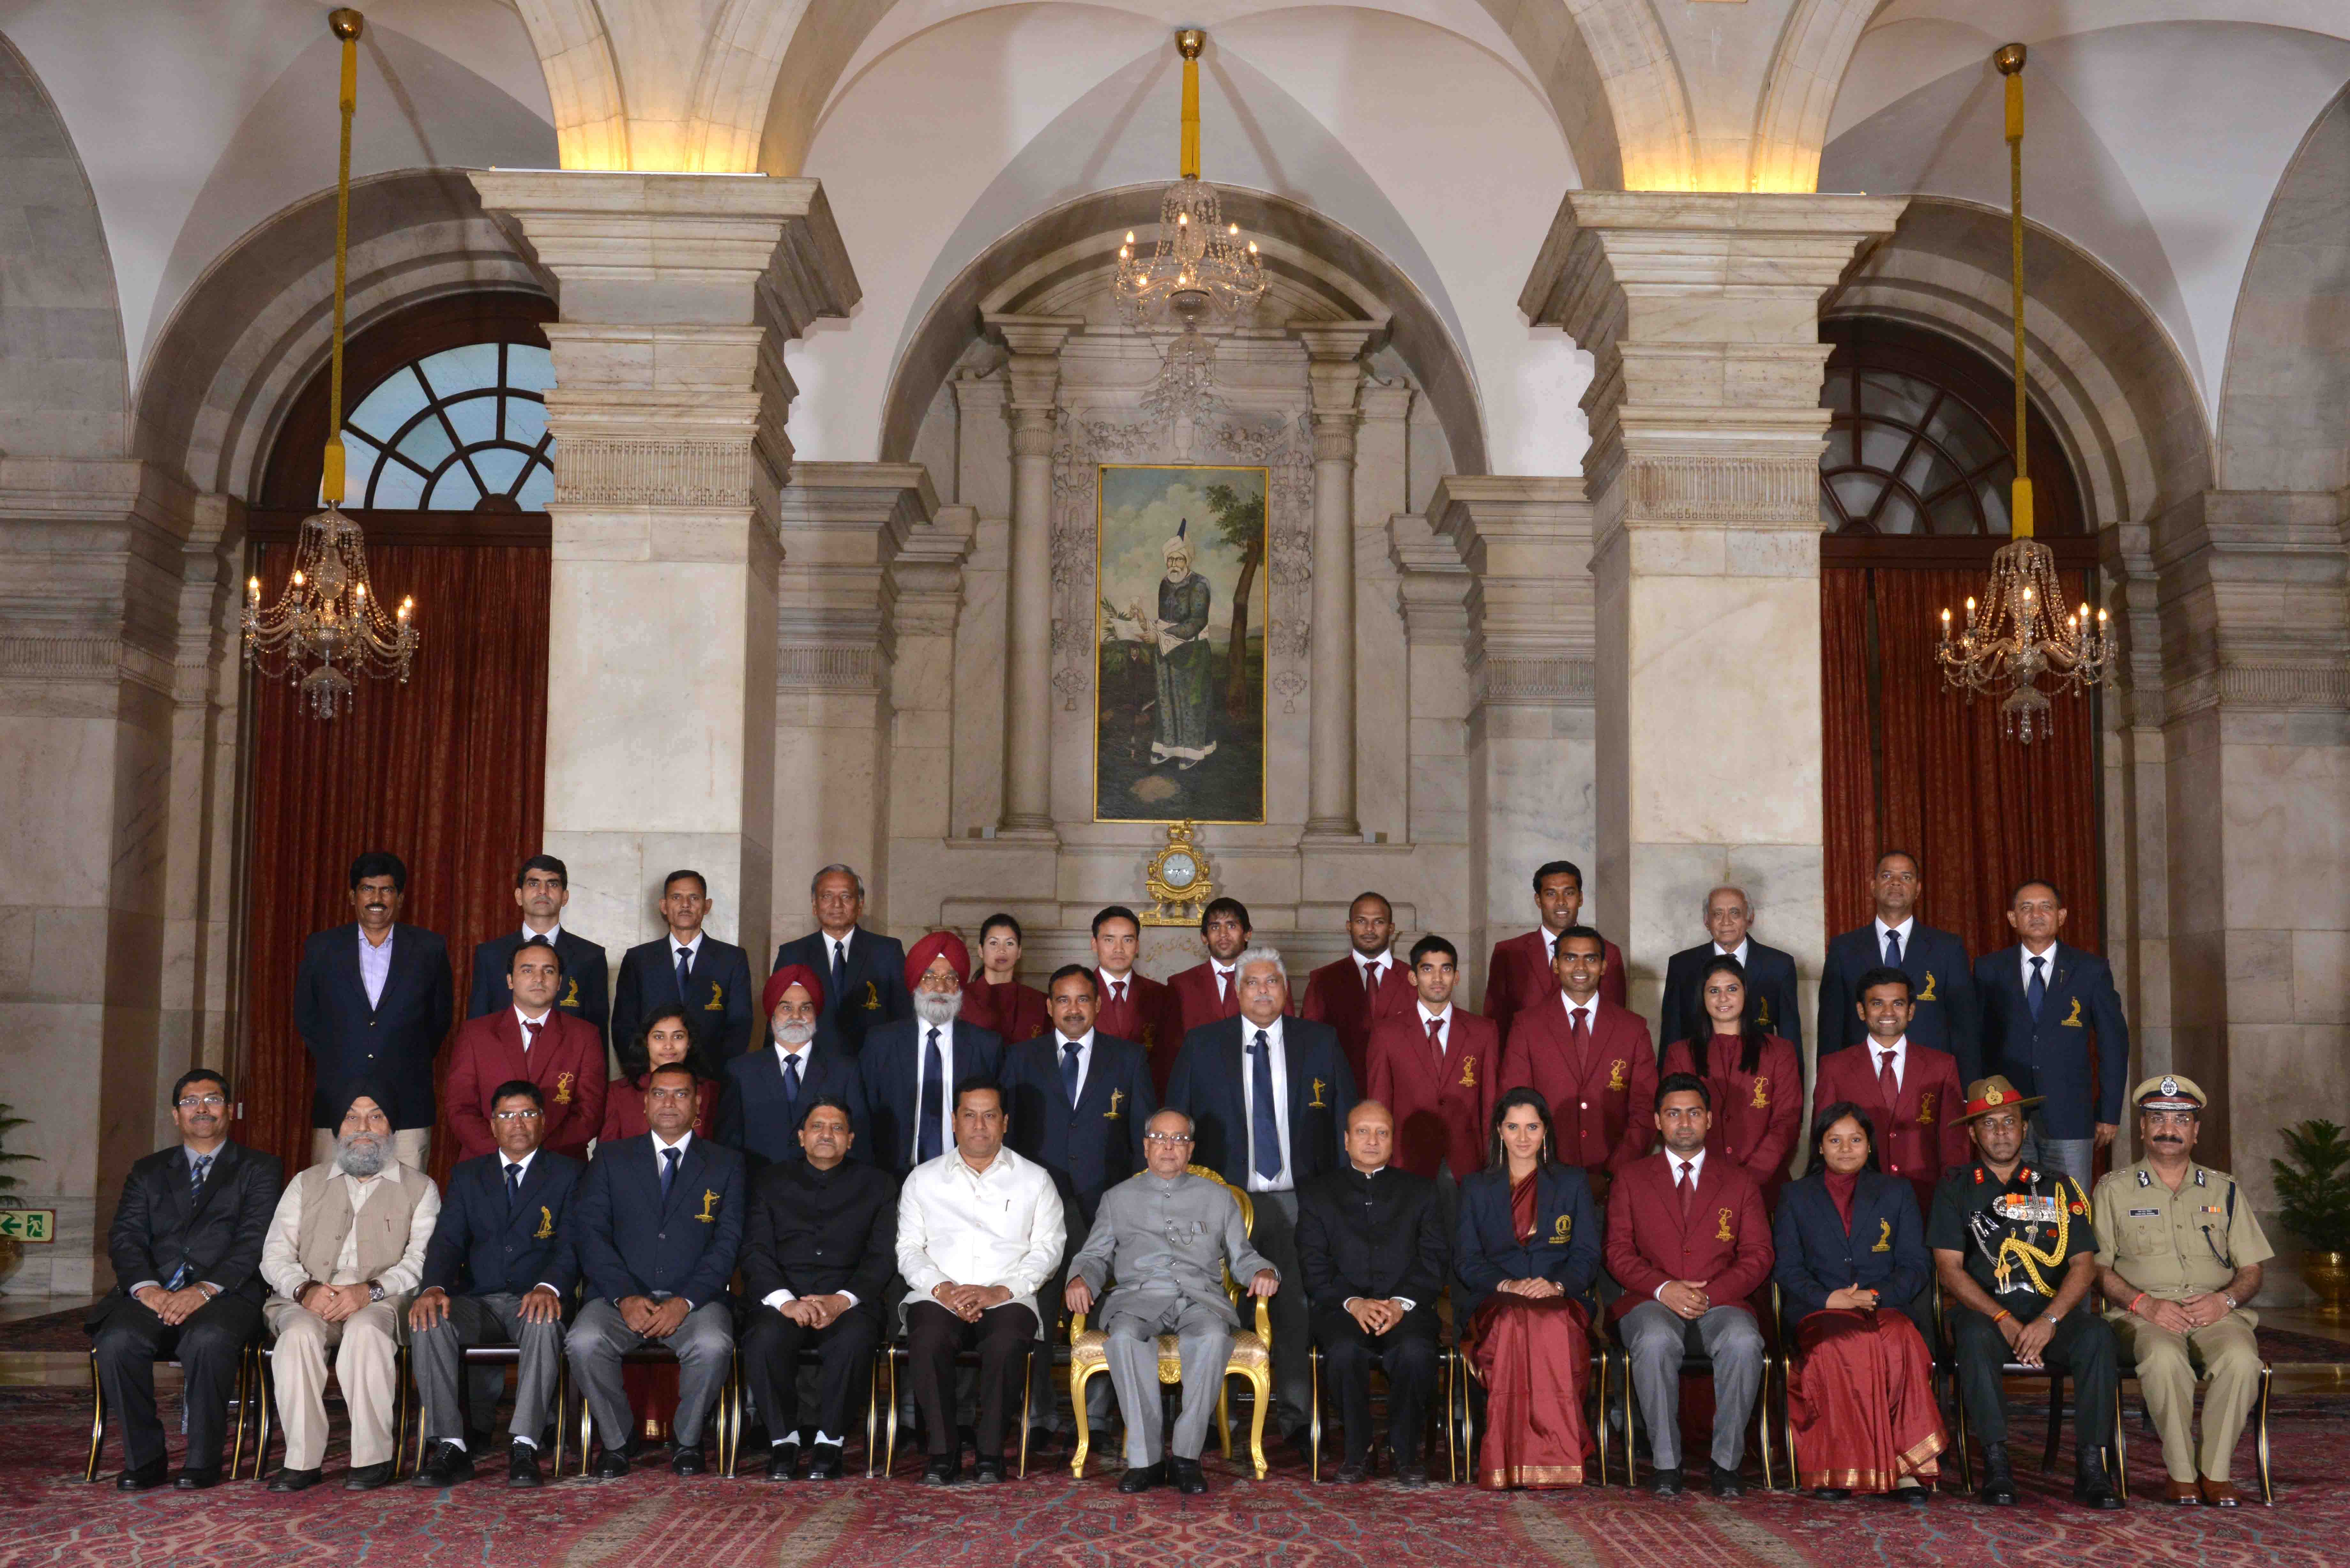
<point x="1259" y="1096"/>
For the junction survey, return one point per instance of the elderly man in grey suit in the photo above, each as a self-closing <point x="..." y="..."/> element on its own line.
<point x="1167" y="1235"/>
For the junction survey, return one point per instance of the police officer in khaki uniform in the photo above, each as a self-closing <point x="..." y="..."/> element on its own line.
<point x="2179" y="1255"/>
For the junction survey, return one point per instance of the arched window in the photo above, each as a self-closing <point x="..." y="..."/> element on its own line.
<point x="463" y="429"/>
<point x="1920" y="441"/>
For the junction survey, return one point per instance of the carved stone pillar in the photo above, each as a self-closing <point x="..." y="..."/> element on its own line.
<point x="1334" y="367"/>
<point x="1701" y="311"/>
<point x="1383" y="801"/>
<point x="679" y="292"/>
<point x="1034" y="372"/>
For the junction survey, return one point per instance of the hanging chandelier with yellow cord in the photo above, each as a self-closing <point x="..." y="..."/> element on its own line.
<point x="328" y="627"/>
<point x="2013" y="635"/>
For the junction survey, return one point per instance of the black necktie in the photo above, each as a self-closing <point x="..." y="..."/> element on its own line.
<point x="1265" y="1121"/>
<point x="1892" y="950"/>
<point x="669" y="1169"/>
<point x="1069" y="1070"/>
<point x="926" y="1136"/>
<point x="792" y="1084"/>
<point x="839" y="969"/>
<point x="684" y="971"/>
<point x="198" y="1167"/>
<point x="2035" y="995"/>
<point x="514" y="1185"/>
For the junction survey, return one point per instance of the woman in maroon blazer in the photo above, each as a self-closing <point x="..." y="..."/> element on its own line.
<point x="996" y="1001"/>
<point x="1756" y="1079"/>
<point x="667" y="1039"/>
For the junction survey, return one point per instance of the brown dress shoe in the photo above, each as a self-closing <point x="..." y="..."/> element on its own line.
<point x="2219" y="1494"/>
<point x="2183" y="1492"/>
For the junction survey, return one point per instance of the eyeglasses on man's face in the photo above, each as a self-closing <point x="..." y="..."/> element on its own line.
<point x="1166" y="1137"/>
<point x="201" y="1102"/>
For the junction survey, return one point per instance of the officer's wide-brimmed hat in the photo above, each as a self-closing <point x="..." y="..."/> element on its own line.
<point x="1995" y="1094"/>
<point x="2169" y="1092"/>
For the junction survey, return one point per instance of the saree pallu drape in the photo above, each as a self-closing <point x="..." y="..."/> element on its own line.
<point x="1534" y="1357"/>
<point x="1860" y="1397"/>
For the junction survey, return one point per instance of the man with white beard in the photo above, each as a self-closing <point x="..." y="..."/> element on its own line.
<point x="910" y="1068"/>
<point x="768" y="1092"/>
<point x="346" y="1247"/>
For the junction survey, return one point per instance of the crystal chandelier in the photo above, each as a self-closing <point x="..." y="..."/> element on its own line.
<point x="1197" y="264"/>
<point x="327" y="627"/>
<point x="2012" y="637"/>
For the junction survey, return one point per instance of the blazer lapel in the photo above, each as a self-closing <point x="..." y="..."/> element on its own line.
<point x="534" y="1180"/>
<point x="688" y="1178"/>
<point x="346" y="963"/>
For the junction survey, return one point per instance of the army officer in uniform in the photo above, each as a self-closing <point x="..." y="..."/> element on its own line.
<point x="2178" y="1255"/>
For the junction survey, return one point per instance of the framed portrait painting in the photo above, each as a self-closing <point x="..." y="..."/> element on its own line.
<point x="1179" y="643"/>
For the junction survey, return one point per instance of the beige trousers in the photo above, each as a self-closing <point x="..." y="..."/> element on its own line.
<point x="2230" y="1357"/>
<point x="364" y="1365"/>
<point x="411" y="1147"/>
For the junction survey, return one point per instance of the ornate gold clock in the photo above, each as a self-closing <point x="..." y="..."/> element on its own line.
<point x="1176" y="880"/>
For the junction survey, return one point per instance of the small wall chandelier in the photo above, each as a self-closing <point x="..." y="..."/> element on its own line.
<point x="1198" y="265"/>
<point x="328" y="627"/>
<point x="2012" y="637"/>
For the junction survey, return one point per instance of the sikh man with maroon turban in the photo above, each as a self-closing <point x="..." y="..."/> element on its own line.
<point x="769" y="1090"/>
<point x="910" y="1068"/>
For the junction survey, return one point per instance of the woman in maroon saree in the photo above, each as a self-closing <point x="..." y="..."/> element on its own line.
<point x="1757" y="1079"/>
<point x="1851" y="1262"/>
<point x="995" y="1000"/>
<point x="1528" y="1251"/>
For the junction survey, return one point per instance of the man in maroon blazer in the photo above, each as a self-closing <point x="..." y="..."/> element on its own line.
<point x="1134" y="1006"/>
<point x="1909" y="1091"/>
<point x="1517" y="975"/>
<point x="1363" y="988"/>
<point x="1435" y="1068"/>
<point x="532" y="1040"/>
<point x="1688" y="1241"/>
<point x="1591" y="1059"/>
<point x="1210" y="991"/>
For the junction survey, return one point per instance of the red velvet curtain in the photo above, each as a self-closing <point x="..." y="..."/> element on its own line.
<point x="447" y="771"/>
<point x="1912" y="765"/>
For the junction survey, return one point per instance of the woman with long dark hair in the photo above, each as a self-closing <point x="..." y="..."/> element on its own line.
<point x="1756" y="1078"/>
<point x="996" y="1000"/>
<point x="667" y="1039"/>
<point x="1528" y="1251"/>
<point x="1851" y="1261"/>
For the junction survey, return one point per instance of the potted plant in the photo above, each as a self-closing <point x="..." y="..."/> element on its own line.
<point x="12" y="1250"/>
<point x="2313" y="1200"/>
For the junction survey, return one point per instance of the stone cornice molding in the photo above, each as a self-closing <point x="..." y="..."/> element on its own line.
<point x="845" y="526"/>
<point x="1433" y="585"/>
<point x="1034" y="368"/>
<point x="1526" y="543"/>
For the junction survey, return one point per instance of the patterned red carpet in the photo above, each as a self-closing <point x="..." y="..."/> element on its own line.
<point x="47" y="1516"/>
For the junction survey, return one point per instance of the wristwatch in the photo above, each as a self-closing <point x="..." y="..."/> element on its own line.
<point x="375" y="1291"/>
<point x="2230" y="1300"/>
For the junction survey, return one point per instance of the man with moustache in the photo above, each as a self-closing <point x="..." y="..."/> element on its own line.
<point x="2048" y="1008"/>
<point x="1207" y="992"/>
<point x="2178" y="1255"/>
<point x="345" y="1247"/>
<point x="1518" y="975"/>
<point x="688" y="967"/>
<point x="542" y="890"/>
<point x="498" y="1271"/>
<point x="864" y="972"/>
<point x="533" y="1040"/>
<point x="817" y="1258"/>
<point x="372" y="1000"/>
<point x="767" y="1092"/>
<point x="1364" y="988"/>
<point x="909" y="1069"/>
<point x="1941" y="982"/>
<point x="1435" y="1068"/>
<point x="1769" y="977"/>
<point x="1133" y="1006"/>
<point x="185" y="1243"/>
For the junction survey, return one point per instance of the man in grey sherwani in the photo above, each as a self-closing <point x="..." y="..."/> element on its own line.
<point x="1167" y="1235"/>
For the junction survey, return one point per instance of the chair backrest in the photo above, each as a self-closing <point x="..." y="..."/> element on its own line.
<point x="1248" y="1222"/>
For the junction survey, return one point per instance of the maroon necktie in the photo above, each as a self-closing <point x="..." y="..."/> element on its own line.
<point x="1370" y="990"/>
<point x="1436" y="1042"/>
<point x="1117" y="994"/>
<point x="1578" y="1030"/>
<point x="1686" y="1190"/>
<point x="1223" y="987"/>
<point x="530" y="1033"/>
<point x="1885" y="1083"/>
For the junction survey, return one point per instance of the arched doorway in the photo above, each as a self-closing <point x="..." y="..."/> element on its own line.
<point x="449" y="466"/>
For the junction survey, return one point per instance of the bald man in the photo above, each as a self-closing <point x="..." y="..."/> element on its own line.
<point x="1771" y="1004"/>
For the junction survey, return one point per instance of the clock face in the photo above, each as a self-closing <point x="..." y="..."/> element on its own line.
<point x="1178" y="869"/>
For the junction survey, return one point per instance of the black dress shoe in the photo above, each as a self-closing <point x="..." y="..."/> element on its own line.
<point x="989" y="1471"/>
<point x="1666" y="1480"/>
<point x="826" y="1463"/>
<point x="783" y="1461"/>
<point x="1913" y="1496"/>
<point x="522" y="1464"/>
<point x="687" y="1462"/>
<point x="1142" y="1478"/>
<point x="446" y="1465"/>
<point x="1352" y="1472"/>
<point x="295" y="1481"/>
<point x="611" y="1465"/>
<point x="2092" y="1488"/>
<point x="943" y="1469"/>
<point x="1188" y="1478"/>
<point x="1999" y="1476"/>
<point x="367" y="1477"/>
<point x="199" y="1479"/>
<point x="1724" y="1483"/>
<point x="1832" y="1493"/>
<point x="1410" y="1473"/>
<point x="146" y="1478"/>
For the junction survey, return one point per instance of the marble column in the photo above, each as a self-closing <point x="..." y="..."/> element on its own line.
<point x="1701" y="313"/>
<point x="1034" y="372"/>
<point x="679" y="292"/>
<point x="1335" y="369"/>
<point x="1383" y="801"/>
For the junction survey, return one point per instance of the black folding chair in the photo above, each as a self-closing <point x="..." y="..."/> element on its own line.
<point x="726" y="1416"/>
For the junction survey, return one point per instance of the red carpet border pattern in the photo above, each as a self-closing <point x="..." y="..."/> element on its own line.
<point x="47" y="1516"/>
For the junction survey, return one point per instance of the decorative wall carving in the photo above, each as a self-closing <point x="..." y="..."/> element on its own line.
<point x="623" y="472"/>
<point x="1758" y="490"/>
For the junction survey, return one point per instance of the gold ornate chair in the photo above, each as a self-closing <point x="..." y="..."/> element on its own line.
<point x="1252" y="1357"/>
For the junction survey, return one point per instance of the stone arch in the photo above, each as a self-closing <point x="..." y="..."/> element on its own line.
<point x="2287" y="379"/>
<point x="1320" y="268"/>
<point x="255" y="328"/>
<point x="65" y="389"/>
<point x="583" y="81"/>
<point x="1790" y="125"/>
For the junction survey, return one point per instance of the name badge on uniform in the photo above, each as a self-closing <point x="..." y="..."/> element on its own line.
<point x="2146" y="1213"/>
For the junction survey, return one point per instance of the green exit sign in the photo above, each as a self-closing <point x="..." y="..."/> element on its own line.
<point x="28" y="1224"/>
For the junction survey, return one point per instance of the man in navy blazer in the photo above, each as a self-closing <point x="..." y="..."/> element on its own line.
<point x="1094" y="1142"/>
<point x="542" y="887"/>
<point x="864" y="972"/>
<point x="1770" y="978"/>
<point x="498" y="1271"/>
<point x="659" y="1227"/>
<point x="2044" y="1002"/>
<point x="372" y="1000"/>
<point x="1268" y="1096"/>
<point x="909" y="1069"/>
<point x="768" y="1091"/>
<point x="1948" y="1016"/>
<point x="688" y="965"/>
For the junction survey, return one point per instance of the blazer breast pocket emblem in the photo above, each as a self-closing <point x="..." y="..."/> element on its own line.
<point x="717" y="1002"/>
<point x="872" y="997"/>
<point x="1317" y="1103"/>
<point x="1616" y="1071"/>
<point x="1926" y="1109"/>
<point x="1761" y="1101"/>
<point x="1112" y="1114"/>
<point x="1928" y="994"/>
<point x="563" y="1087"/>
<point x="1469" y="1072"/>
<point x="1726" y="1233"/>
<point x="1563" y="1231"/>
<point x="546" y="1231"/>
<point x="1884" y="1237"/>
<point x="2072" y="1019"/>
<point x="570" y="997"/>
<point x="709" y="1215"/>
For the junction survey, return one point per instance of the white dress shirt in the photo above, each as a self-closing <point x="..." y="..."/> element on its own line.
<point x="1443" y="1021"/>
<point x="1127" y="981"/>
<point x="1370" y="970"/>
<point x="282" y="1267"/>
<point x="2047" y="966"/>
<point x="1001" y="1226"/>
<point x="1883" y="931"/>
<point x="548" y="936"/>
<point x="1738" y="952"/>
<point x="1900" y="1060"/>
<point x="1696" y="1164"/>
<point x="1085" y="1044"/>
<point x="1279" y="1054"/>
<point x="1227" y="979"/>
<point x="375" y="964"/>
<point x="522" y="1018"/>
<point x="676" y="947"/>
